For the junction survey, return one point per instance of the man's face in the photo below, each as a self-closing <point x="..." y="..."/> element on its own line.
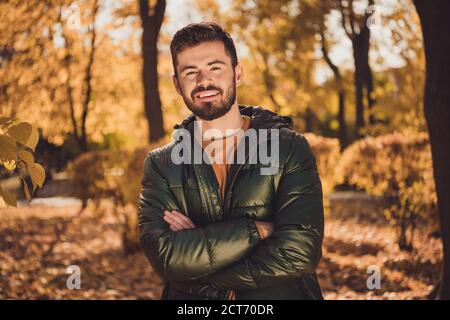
<point x="206" y="79"/>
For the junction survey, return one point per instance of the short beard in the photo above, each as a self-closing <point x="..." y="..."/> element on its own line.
<point x="214" y="109"/>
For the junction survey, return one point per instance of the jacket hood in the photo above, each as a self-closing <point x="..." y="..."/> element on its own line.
<point x="261" y="119"/>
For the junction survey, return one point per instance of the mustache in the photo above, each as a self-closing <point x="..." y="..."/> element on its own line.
<point x="200" y="89"/>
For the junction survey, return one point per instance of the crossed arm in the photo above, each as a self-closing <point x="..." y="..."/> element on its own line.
<point x="230" y="255"/>
<point x="188" y="253"/>
<point x="178" y="221"/>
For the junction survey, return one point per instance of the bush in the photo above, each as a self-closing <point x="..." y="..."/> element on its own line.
<point x="115" y="175"/>
<point x="327" y="153"/>
<point x="96" y="175"/>
<point x="397" y="167"/>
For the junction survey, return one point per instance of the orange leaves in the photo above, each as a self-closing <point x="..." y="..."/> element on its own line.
<point x="8" y="198"/>
<point x="397" y="167"/>
<point x="326" y="151"/>
<point x="28" y="271"/>
<point x="15" y="145"/>
<point x="8" y="148"/>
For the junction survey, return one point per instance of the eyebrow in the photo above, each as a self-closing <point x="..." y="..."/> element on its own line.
<point x="209" y="63"/>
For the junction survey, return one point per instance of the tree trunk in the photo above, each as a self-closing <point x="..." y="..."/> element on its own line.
<point x="359" y="86"/>
<point x="358" y="32"/>
<point x="343" y="139"/>
<point x="88" y="81"/>
<point x="369" y="87"/>
<point x="310" y="120"/>
<point x="435" y="29"/>
<point x="151" y="25"/>
<point x="68" y="84"/>
<point x="268" y="79"/>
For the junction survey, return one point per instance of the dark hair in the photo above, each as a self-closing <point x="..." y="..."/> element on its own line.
<point x="196" y="33"/>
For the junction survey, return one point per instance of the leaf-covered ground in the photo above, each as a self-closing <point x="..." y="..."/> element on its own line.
<point x="33" y="262"/>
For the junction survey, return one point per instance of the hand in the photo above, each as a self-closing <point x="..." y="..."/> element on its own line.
<point x="265" y="228"/>
<point x="177" y="220"/>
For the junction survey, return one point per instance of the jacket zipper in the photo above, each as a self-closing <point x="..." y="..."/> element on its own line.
<point x="229" y="186"/>
<point x="227" y="194"/>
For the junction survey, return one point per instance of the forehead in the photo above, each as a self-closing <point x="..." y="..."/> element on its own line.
<point x="202" y="54"/>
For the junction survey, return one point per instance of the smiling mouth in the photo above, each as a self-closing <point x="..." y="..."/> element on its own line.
<point x="207" y="95"/>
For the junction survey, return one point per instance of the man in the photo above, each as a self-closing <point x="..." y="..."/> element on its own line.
<point x="215" y="230"/>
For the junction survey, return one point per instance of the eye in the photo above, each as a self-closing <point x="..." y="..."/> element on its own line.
<point x="190" y="73"/>
<point x="215" y="68"/>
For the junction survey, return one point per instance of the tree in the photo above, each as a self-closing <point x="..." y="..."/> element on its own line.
<point x="48" y="64"/>
<point x="399" y="104"/>
<point x="151" y="20"/>
<point x="357" y="29"/>
<point x="435" y="29"/>
<point x="319" y="25"/>
<point x="343" y="140"/>
<point x="79" y="127"/>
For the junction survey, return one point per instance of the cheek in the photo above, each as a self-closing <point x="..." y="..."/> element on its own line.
<point x="187" y="89"/>
<point x="227" y="80"/>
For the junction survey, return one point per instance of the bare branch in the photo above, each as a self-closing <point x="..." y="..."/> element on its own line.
<point x="345" y="19"/>
<point x="88" y="77"/>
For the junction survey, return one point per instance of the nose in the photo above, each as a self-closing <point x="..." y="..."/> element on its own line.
<point x="203" y="79"/>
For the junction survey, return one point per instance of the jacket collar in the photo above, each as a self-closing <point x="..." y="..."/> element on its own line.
<point x="261" y="119"/>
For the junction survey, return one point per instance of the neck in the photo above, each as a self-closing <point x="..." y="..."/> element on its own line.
<point x="232" y="120"/>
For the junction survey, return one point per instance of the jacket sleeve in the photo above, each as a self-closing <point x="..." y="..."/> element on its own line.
<point x="295" y="246"/>
<point x="191" y="253"/>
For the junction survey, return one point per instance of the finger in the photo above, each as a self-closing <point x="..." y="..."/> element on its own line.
<point x="184" y="218"/>
<point x="174" y="228"/>
<point x="167" y="219"/>
<point x="186" y="223"/>
<point x="171" y="219"/>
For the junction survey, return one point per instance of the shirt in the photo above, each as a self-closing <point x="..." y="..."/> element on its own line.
<point x="218" y="151"/>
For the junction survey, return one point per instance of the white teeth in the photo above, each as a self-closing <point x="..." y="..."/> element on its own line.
<point x="207" y="94"/>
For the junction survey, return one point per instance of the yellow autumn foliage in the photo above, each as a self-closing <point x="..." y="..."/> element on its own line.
<point x="114" y="175"/>
<point x="327" y="153"/>
<point x="398" y="168"/>
<point x="18" y="141"/>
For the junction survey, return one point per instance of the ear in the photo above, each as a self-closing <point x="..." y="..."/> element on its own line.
<point x="239" y="74"/>
<point x="176" y="84"/>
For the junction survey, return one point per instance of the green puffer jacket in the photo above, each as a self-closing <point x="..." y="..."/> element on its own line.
<point x="225" y="252"/>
